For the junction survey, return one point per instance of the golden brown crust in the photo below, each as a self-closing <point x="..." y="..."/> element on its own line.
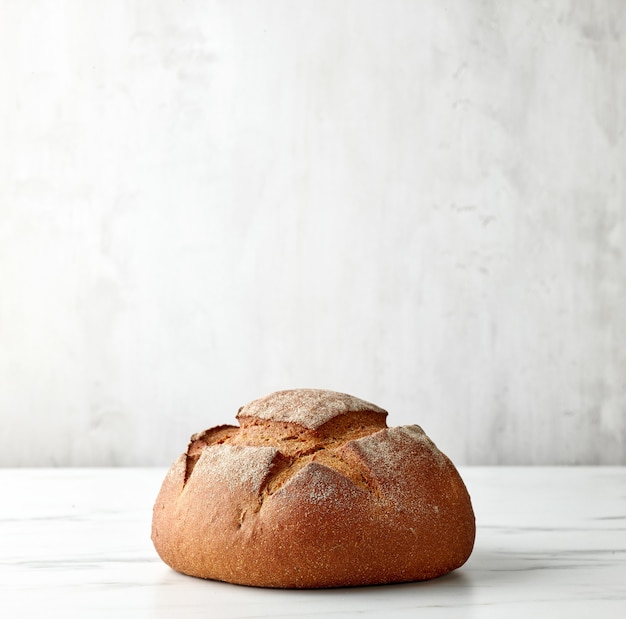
<point x="349" y="501"/>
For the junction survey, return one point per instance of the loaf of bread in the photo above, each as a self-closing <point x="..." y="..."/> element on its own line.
<point x="313" y="490"/>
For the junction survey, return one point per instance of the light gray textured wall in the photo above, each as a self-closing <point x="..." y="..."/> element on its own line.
<point x="419" y="203"/>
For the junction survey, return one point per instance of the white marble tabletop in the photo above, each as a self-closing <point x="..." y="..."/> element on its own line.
<point x="551" y="542"/>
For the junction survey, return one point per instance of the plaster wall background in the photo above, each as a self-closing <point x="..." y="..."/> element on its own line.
<point x="419" y="203"/>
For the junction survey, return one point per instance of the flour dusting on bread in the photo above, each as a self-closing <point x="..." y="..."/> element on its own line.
<point x="310" y="408"/>
<point x="236" y="466"/>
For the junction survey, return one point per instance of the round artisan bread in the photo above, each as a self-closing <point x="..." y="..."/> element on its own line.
<point x="313" y="490"/>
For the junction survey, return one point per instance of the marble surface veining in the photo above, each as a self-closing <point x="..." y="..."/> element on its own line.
<point x="551" y="542"/>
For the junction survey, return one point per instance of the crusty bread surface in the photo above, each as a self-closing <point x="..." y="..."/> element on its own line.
<point x="311" y="490"/>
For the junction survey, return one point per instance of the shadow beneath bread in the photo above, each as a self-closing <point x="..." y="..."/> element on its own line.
<point x="218" y="599"/>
